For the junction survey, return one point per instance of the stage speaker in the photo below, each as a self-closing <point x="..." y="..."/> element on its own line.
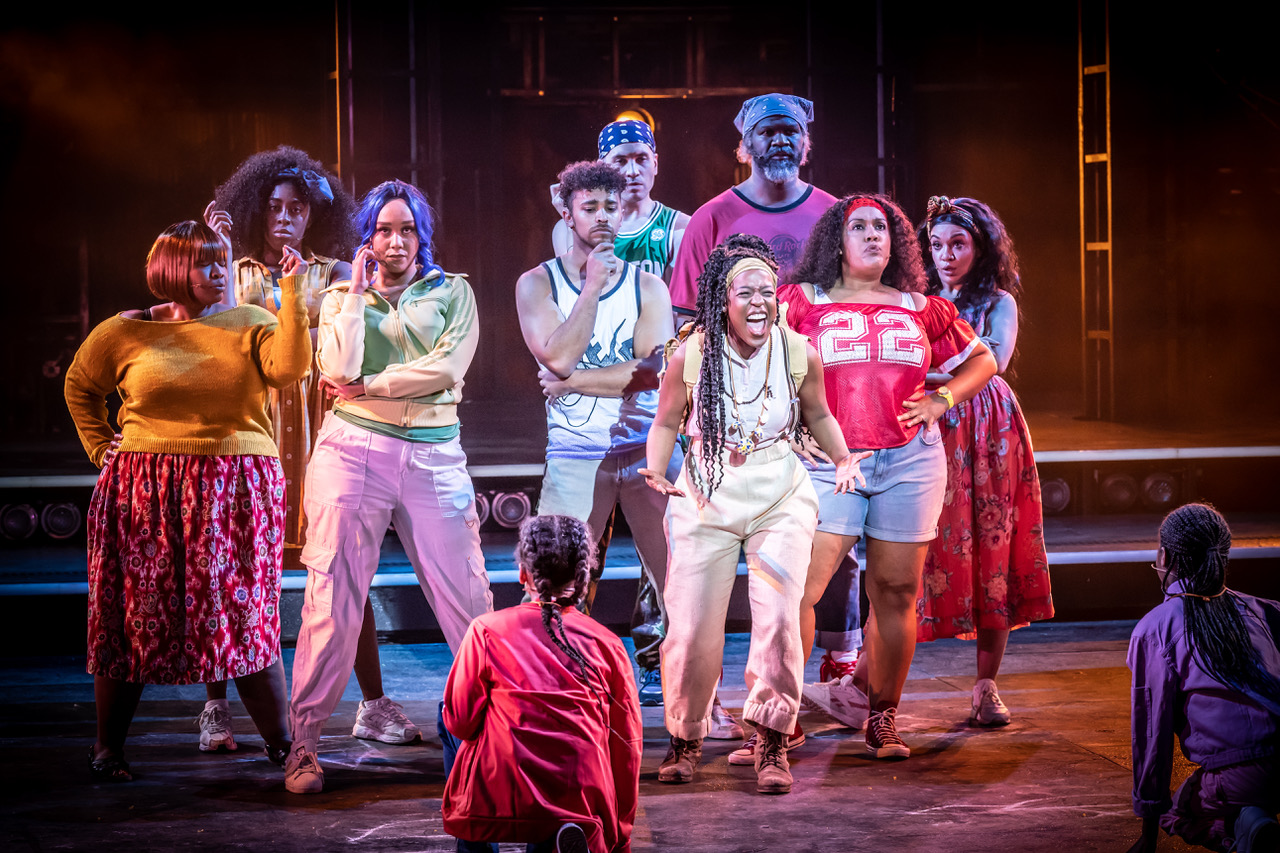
<point x="18" y="521"/>
<point x="1055" y="495"/>
<point x="482" y="507"/>
<point x="1160" y="491"/>
<point x="1118" y="492"/>
<point x="60" y="520"/>
<point x="510" y="509"/>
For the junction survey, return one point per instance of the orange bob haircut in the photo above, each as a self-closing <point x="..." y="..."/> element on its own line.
<point x="178" y="250"/>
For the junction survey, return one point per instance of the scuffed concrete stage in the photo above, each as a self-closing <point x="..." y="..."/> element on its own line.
<point x="1057" y="779"/>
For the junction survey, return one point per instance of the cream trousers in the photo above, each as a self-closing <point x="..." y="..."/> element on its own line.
<point x="767" y="507"/>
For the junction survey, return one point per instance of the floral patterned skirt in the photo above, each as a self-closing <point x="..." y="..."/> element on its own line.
<point x="987" y="568"/>
<point x="184" y="567"/>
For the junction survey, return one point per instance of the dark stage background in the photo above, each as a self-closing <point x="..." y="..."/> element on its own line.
<point x="114" y="126"/>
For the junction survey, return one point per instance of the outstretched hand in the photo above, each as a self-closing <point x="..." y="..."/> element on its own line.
<point x="659" y="483"/>
<point x="849" y="472"/>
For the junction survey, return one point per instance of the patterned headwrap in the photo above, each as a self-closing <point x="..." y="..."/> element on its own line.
<point x="317" y="185"/>
<point x="773" y="104"/>
<point x="943" y="209"/>
<point x="621" y="132"/>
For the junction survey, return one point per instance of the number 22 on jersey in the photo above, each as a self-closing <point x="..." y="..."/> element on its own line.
<point x="851" y="337"/>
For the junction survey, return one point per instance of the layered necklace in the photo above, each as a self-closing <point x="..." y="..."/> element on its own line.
<point x="744" y="442"/>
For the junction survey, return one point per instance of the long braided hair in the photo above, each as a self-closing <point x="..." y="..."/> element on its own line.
<point x="712" y="320"/>
<point x="559" y="553"/>
<point x="994" y="269"/>
<point x="1197" y="542"/>
<point x="822" y="251"/>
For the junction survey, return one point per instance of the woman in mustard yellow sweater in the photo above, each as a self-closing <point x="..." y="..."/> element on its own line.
<point x="185" y="524"/>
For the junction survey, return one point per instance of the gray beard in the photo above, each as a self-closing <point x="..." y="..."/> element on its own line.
<point x="778" y="171"/>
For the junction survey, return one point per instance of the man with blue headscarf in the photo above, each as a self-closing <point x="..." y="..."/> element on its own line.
<point x="773" y="203"/>
<point x="649" y="233"/>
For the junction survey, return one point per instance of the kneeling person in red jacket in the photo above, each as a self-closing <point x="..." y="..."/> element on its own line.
<point x="543" y="703"/>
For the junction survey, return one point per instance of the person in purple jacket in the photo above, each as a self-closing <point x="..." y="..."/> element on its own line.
<point x="1206" y="668"/>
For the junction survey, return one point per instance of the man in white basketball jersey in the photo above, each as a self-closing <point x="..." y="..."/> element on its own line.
<point x="596" y="325"/>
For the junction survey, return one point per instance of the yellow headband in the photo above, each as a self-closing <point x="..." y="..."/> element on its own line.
<point x="745" y="265"/>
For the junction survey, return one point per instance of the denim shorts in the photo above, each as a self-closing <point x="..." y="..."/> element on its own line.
<point x="903" y="496"/>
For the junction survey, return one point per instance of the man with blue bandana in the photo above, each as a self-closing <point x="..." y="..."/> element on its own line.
<point x="773" y="203"/>
<point x="650" y="232"/>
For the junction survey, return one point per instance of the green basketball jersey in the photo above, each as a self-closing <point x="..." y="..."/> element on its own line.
<point x="649" y="247"/>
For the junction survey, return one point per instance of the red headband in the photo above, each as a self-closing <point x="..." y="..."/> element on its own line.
<point x="864" y="201"/>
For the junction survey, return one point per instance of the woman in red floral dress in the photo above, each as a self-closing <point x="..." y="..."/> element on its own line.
<point x="987" y="572"/>
<point x="186" y="522"/>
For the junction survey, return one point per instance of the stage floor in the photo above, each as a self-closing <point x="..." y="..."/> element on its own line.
<point x="1058" y="778"/>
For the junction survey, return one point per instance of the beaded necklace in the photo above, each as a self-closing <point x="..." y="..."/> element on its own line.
<point x="746" y="442"/>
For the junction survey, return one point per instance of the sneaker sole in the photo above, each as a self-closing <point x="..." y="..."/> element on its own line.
<point x="674" y="778"/>
<point x="993" y="724"/>
<point x="307" y="787"/>
<point x="889" y="752"/>
<point x="373" y="734"/>
<point x="220" y="746"/>
<point x="776" y="788"/>
<point x="650" y="701"/>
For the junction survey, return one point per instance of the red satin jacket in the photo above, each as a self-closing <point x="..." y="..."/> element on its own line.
<point x="539" y="747"/>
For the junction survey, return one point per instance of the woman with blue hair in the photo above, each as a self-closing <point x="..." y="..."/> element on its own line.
<point x="395" y="344"/>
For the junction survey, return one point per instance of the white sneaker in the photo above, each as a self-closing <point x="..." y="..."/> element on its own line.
<point x="840" y="699"/>
<point x="385" y="721"/>
<point x="723" y="725"/>
<point x="215" y="727"/>
<point x="987" y="709"/>
<point x="302" y="772"/>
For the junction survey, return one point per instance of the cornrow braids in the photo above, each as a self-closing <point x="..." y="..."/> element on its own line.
<point x="1197" y="544"/>
<point x="822" y="251"/>
<point x="712" y="320"/>
<point x="994" y="269"/>
<point x="559" y="554"/>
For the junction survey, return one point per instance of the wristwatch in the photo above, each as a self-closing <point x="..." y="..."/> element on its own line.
<point x="945" y="393"/>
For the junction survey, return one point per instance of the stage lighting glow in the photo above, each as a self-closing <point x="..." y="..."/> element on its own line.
<point x="18" y="521"/>
<point x="1055" y="495"/>
<point x="510" y="509"/>
<point x="60" y="520"/>
<point x="636" y="114"/>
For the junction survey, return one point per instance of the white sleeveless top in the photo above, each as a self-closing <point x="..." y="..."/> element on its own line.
<point x="581" y="427"/>
<point x="748" y="375"/>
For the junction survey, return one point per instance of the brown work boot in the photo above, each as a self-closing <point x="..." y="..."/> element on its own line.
<point x="773" y="773"/>
<point x="682" y="759"/>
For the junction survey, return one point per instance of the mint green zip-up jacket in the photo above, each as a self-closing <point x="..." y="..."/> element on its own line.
<point x="412" y="358"/>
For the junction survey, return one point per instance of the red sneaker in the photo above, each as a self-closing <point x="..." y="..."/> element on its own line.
<point x="831" y="670"/>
